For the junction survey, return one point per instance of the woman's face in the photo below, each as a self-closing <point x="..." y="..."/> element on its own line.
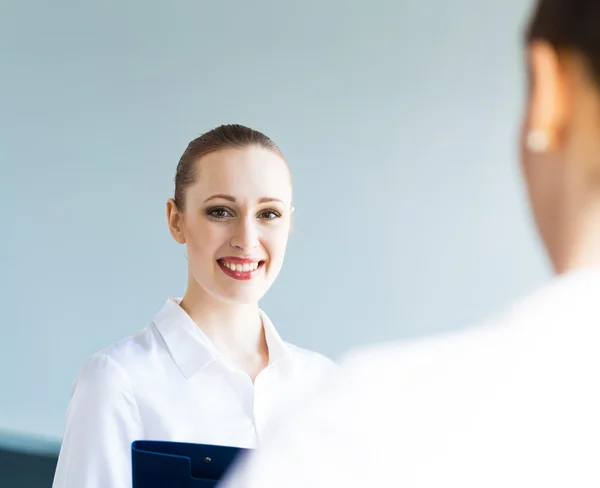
<point x="236" y="223"/>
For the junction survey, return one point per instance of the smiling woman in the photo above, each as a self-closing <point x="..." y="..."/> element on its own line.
<point x="232" y="208"/>
<point x="211" y="367"/>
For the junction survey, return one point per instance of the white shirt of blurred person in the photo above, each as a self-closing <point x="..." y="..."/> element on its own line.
<point x="210" y="368"/>
<point x="514" y="403"/>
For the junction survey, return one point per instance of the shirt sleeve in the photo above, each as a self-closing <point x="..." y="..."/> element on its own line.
<point x="102" y="422"/>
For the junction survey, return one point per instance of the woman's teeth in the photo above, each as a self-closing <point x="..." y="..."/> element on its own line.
<point x="241" y="267"/>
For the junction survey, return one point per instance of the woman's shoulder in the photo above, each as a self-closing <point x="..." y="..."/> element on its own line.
<point x="309" y="357"/>
<point x="119" y="360"/>
<point x="298" y="354"/>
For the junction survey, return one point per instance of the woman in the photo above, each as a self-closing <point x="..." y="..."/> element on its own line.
<point x="210" y="368"/>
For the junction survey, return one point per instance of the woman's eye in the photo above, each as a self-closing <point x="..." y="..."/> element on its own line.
<point x="219" y="213"/>
<point x="269" y="215"/>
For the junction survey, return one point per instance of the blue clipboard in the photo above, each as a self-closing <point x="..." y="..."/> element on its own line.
<point x="164" y="464"/>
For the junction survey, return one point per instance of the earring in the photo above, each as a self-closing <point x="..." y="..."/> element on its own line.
<point x="293" y="208"/>
<point x="537" y="141"/>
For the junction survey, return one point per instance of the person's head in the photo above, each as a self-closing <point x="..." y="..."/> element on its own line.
<point x="232" y="210"/>
<point x="561" y="130"/>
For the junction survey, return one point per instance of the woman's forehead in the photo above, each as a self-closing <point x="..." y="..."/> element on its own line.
<point x="249" y="174"/>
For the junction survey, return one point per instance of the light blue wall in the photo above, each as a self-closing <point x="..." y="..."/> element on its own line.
<point x="399" y="121"/>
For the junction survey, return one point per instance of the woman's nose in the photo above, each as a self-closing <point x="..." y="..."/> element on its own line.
<point x="245" y="237"/>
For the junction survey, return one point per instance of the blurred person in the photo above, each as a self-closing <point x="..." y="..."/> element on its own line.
<point x="515" y="402"/>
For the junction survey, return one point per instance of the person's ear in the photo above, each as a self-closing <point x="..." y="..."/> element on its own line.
<point x="175" y="221"/>
<point x="292" y="209"/>
<point x="548" y="100"/>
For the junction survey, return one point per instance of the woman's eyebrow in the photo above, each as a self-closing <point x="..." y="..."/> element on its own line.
<point x="224" y="197"/>
<point x="234" y="199"/>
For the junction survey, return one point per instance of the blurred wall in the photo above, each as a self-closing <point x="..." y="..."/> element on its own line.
<point x="399" y="120"/>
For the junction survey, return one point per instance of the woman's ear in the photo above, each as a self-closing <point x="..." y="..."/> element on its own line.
<point x="292" y="219"/>
<point x="548" y="102"/>
<point x="175" y="221"/>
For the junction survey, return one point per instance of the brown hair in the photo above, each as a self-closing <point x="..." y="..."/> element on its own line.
<point x="569" y="24"/>
<point x="231" y="136"/>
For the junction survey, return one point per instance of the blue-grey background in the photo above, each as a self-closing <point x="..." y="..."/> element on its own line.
<point x="399" y="120"/>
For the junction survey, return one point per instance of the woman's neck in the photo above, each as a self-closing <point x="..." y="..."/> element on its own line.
<point x="235" y="330"/>
<point x="577" y="233"/>
<point x="583" y="248"/>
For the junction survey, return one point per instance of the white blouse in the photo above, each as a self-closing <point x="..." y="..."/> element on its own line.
<point x="169" y="382"/>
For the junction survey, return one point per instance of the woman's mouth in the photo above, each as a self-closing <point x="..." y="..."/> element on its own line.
<point x="240" y="269"/>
